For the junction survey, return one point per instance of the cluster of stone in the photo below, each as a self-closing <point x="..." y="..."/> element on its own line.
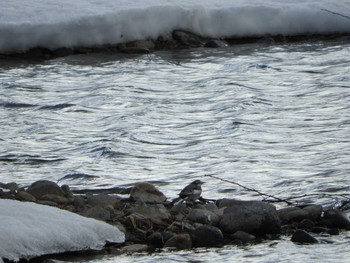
<point x="151" y="222"/>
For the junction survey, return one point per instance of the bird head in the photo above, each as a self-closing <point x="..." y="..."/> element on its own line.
<point x="197" y="182"/>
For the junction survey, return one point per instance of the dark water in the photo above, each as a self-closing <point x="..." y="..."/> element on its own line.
<point x="273" y="118"/>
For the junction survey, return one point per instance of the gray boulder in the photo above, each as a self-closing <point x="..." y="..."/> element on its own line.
<point x="243" y="236"/>
<point x="147" y="192"/>
<point x="45" y="187"/>
<point x="102" y="200"/>
<point x="203" y="216"/>
<point x="301" y="236"/>
<point x="296" y="214"/>
<point x="254" y="217"/>
<point x="187" y="38"/>
<point x="155" y="213"/>
<point x="337" y="218"/>
<point x="180" y="241"/>
<point x="207" y="236"/>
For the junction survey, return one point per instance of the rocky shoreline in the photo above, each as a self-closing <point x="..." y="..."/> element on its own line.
<point x="151" y="222"/>
<point x="179" y="39"/>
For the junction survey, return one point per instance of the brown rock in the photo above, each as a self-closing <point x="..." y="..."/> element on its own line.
<point x="44" y="187"/>
<point x="135" y="248"/>
<point x="24" y="196"/>
<point x="55" y="198"/>
<point x="180" y="242"/>
<point x="147" y="192"/>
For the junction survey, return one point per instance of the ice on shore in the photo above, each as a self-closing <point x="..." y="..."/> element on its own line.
<point x="28" y="230"/>
<point x="64" y="23"/>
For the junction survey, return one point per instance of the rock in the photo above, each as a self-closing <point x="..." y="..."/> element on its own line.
<point x="142" y="44"/>
<point x="306" y="223"/>
<point x="102" y="200"/>
<point x="296" y="214"/>
<point x="180" y="242"/>
<point x="314" y="211"/>
<point x="100" y="213"/>
<point x="55" y="198"/>
<point x="157" y="239"/>
<point x="211" y="207"/>
<point x="9" y="186"/>
<point x="207" y="236"/>
<point x="337" y="218"/>
<point x="180" y="208"/>
<point x="215" y="43"/>
<point x="134" y="50"/>
<point x="243" y="236"/>
<point x="147" y="193"/>
<point x="290" y="214"/>
<point x="187" y="38"/>
<point x="62" y="52"/>
<point x="301" y="236"/>
<point x="79" y="201"/>
<point x="156" y="213"/>
<point x="135" y="248"/>
<point x="68" y="193"/>
<point x="333" y="231"/>
<point x="24" y="196"/>
<point x="44" y="187"/>
<point x="254" y="217"/>
<point x="203" y="216"/>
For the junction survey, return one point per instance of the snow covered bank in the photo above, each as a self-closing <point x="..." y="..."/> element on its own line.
<point x="65" y="23"/>
<point x="29" y="230"/>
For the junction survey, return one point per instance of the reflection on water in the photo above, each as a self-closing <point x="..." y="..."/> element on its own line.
<point x="273" y="118"/>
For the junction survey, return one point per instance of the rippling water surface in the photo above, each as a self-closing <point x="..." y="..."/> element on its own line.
<point x="274" y="118"/>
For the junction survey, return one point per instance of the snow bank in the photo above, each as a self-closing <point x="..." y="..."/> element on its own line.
<point x="65" y="23"/>
<point x="28" y="230"/>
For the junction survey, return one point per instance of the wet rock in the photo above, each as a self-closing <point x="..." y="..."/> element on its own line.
<point x="254" y="217"/>
<point x="215" y="43"/>
<point x="211" y="207"/>
<point x="135" y="248"/>
<point x="203" y="216"/>
<point x="158" y="239"/>
<point x="187" y="38"/>
<point x="180" y="242"/>
<point x="314" y="211"/>
<point x="296" y="214"/>
<point x="318" y="229"/>
<point x="155" y="240"/>
<point x="301" y="236"/>
<point x="207" y="236"/>
<point x="100" y="213"/>
<point x="67" y="192"/>
<point x="334" y="231"/>
<point x="134" y="50"/>
<point x="10" y="186"/>
<point x="24" y="196"/>
<point x="306" y="223"/>
<point x="243" y="237"/>
<point x="142" y="44"/>
<point x="55" y="198"/>
<point x="102" y="200"/>
<point x="337" y="218"/>
<point x="181" y="209"/>
<point x="44" y="187"/>
<point x="156" y="213"/>
<point x="147" y="193"/>
<point x="62" y="52"/>
<point x="79" y="201"/>
<point x="290" y="214"/>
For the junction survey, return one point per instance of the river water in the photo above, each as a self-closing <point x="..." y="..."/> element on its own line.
<point x="275" y="118"/>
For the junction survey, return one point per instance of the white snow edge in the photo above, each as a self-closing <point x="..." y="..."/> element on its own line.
<point x="29" y="230"/>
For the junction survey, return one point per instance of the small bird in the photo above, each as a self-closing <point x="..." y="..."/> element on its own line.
<point x="192" y="191"/>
